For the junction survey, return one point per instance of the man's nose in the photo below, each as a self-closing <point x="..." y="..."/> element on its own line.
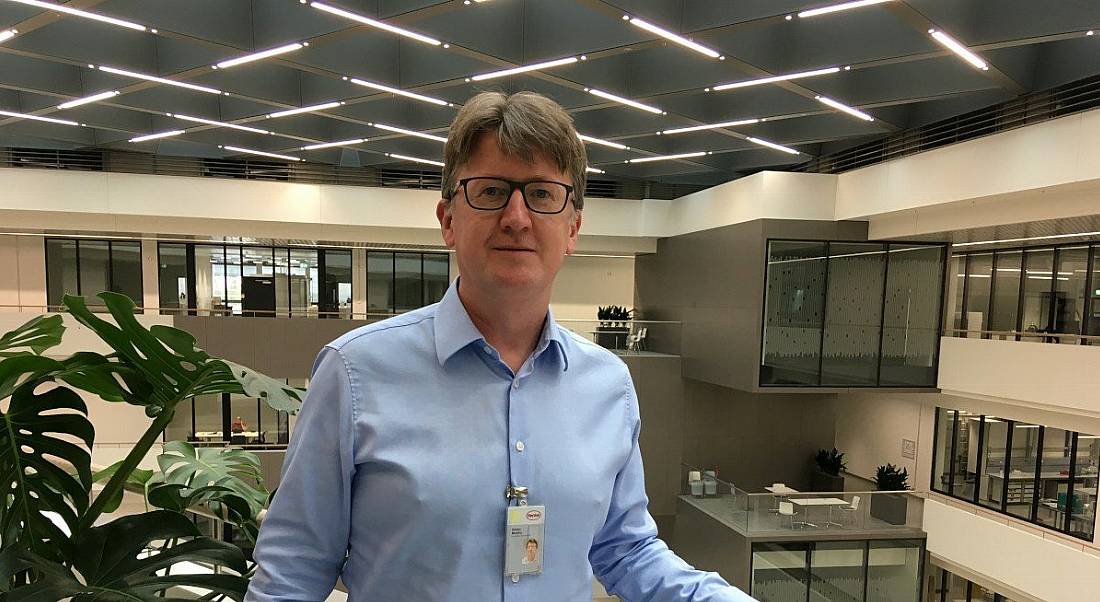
<point x="515" y="215"/>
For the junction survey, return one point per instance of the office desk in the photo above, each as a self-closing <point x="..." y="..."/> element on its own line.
<point x="829" y="502"/>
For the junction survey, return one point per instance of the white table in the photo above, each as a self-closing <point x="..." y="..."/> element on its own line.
<point x="829" y="502"/>
<point x="782" y="490"/>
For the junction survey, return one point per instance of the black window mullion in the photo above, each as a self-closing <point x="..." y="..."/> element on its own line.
<point x="969" y="591"/>
<point x="259" y="416"/>
<point x="1052" y="311"/>
<point x="978" y="469"/>
<point x="882" y="316"/>
<point x="1068" y="526"/>
<point x="227" y="418"/>
<point x="110" y="266"/>
<point x="1085" y="325"/>
<point x="393" y="283"/>
<point x="809" y="574"/>
<point x="935" y="450"/>
<point x="79" y="289"/>
<point x="992" y="293"/>
<point x="1020" y="294"/>
<point x="824" y="318"/>
<point x="866" y="566"/>
<point x="194" y="428"/>
<point x="421" y="280"/>
<point x="192" y="285"/>
<point x="963" y="321"/>
<point x="943" y="586"/>
<point x="1007" y="466"/>
<point x="1038" y="481"/>
<point x="951" y="459"/>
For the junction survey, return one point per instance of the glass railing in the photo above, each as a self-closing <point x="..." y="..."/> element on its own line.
<point x="1027" y="336"/>
<point x="785" y="510"/>
<point x="631" y="336"/>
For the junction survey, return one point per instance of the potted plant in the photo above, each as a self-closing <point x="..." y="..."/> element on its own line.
<point x="52" y="547"/>
<point x="614" y="326"/>
<point x="826" y="476"/>
<point x="890" y="507"/>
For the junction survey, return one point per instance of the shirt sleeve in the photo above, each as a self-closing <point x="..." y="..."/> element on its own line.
<point x="626" y="555"/>
<point x="303" y="540"/>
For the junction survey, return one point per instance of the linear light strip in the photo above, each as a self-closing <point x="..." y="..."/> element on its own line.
<point x="248" y="58"/>
<point x="332" y="144"/>
<point x="256" y="152"/>
<point x="843" y="107"/>
<point x="839" y="7"/>
<point x="525" y="69"/>
<point x="712" y="126"/>
<point x="668" y="35"/>
<point x="778" y="147"/>
<point x="415" y="159"/>
<point x="161" y="80"/>
<point x="399" y="92"/>
<point x="603" y="142"/>
<point x="594" y="170"/>
<point x="1052" y="236"/>
<point x="223" y="124"/>
<point x="156" y="136"/>
<point x="375" y="23"/>
<point x="309" y="109"/>
<point x="37" y="118"/>
<point x="88" y="99"/>
<point x="776" y="78"/>
<point x="7" y="34"/>
<point x="82" y="13"/>
<point x="391" y="128"/>
<point x="954" y="46"/>
<point x="668" y="157"/>
<point x="625" y="101"/>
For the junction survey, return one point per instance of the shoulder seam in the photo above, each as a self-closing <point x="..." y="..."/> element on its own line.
<point x="369" y="331"/>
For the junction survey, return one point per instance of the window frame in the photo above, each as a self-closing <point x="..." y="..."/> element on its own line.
<point x="139" y="303"/>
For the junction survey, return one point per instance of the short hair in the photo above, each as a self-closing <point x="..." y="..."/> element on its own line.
<point x="533" y="541"/>
<point x="525" y="123"/>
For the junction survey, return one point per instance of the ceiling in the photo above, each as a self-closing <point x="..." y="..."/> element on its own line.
<point x="890" y="67"/>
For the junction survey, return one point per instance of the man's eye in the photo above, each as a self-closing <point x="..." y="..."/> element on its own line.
<point x="493" y="191"/>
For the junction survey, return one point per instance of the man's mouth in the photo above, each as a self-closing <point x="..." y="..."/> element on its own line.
<point x="515" y="249"/>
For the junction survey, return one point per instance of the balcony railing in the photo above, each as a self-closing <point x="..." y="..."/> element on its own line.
<point x="1061" y="338"/>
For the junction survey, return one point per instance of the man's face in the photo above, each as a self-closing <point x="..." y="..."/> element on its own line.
<point x="532" y="551"/>
<point x="511" y="248"/>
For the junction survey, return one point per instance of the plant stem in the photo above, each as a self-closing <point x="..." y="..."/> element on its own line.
<point x="118" y="480"/>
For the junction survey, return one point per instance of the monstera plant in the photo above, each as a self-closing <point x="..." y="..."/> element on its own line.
<point x="52" y="545"/>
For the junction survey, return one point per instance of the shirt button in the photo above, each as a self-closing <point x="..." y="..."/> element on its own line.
<point x="515" y="384"/>
<point x="485" y="348"/>
<point x="519" y="446"/>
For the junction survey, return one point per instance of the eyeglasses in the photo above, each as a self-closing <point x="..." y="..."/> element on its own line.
<point x="492" y="194"/>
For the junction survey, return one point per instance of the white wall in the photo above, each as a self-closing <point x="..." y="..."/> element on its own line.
<point x="1046" y="566"/>
<point x="22" y="272"/>
<point x="871" y="428"/>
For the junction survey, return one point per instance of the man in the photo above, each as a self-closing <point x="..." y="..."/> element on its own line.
<point x="531" y="553"/>
<point x="420" y="432"/>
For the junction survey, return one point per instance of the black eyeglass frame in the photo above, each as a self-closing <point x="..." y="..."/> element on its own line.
<point x="512" y="186"/>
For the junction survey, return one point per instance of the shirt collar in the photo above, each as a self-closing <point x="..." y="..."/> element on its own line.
<point x="454" y="330"/>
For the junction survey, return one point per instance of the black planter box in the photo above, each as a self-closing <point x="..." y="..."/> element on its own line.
<point x="612" y="338"/>
<point x="823" y="481"/>
<point x="890" y="507"/>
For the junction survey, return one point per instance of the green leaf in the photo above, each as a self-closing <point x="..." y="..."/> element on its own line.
<point x="37" y="335"/>
<point x="113" y="562"/>
<point x="168" y="360"/>
<point x="235" y="470"/>
<point x="138" y="477"/>
<point x="27" y="434"/>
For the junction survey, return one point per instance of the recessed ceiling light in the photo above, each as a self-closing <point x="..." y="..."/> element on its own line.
<point x="332" y="144"/>
<point x="413" y="95"/>
<point x="839" y="7"/>
<point x="667" y="157"/>
<point x="156" y="136"/>
<point x="248" y="58"/>
<point x="594" y="170"/>
<point x="778" y="147"/>
<point x="603" y="142"/>
<point x="415" y="159"/>
<point x="668" y="35"/>
<point x="843" y="107"/>
<point x="625" y="101"/>
<point x="776" y="78"/>
<point x="713" y="126"/>
<point x="161" y="80"/>
<point x="37" y="118"/>
<point x="223" y="124"/>
<point x="87" y="99"/>
<point x="309" y="109"/>
<point x="954" y="46"/>
<point x="261" y="153"/>
<point x="7" y="34"/>
<point x="61" y="8"/>
<point x="1029" y="238"/>
<point x="525" y="69"/>
<point x="375" y="23"/>
<point x="398" y="130"/>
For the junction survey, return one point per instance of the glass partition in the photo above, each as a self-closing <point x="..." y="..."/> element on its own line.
<point x="1068" y="301"/>
<point x="1006" y="290"/>
<point x="336" y="299"/>
<point x="957" y="292"/>
<point x="853" y="314"/>
<point x="379" y="282"/>
<point x="887" y="570"/>
<point x="1036" y="313"/>
<point x="1019" y="483"/>
<point x="836" y="570"/>
<point x="89" y="267"/>
<point x="125" y="272"/>
<point x="61" y="270"/>
<point x="894" y="570"/>
<point x="1093" y="311"/>
<point x="911" y="316"/>
<point x="779" y="572"/>
<point x="302" y="286"/>
<point x="993" y="452"/>
<point x="208" y="419"/>
<point x="945" y="437"/>
<point x="1083" y="500"/>
<point x="1054" y="478"/>
<point x="437" y="277"/>
<point x="407" y="284"/>
<point x="793" y="313"/>
<point x="979" y="280"/>
<point x="965" y="456"/>
<point x="172" y="284"/>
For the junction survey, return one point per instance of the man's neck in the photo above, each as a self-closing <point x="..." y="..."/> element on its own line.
<point x="511" y="322"/>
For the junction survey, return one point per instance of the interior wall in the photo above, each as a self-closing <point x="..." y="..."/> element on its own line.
<point x="22" y="272"/>
<point x="871" y="430"/>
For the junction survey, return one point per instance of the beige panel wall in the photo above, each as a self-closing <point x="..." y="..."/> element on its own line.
<point x="22" y="272"/>
<point x="871" y="430"/>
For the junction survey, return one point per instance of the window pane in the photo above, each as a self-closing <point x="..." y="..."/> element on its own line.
<point x="259" y="287"/>
<point x="977" y="293"/>
<point x="208" y="418"/>
<point x="408" y="292"/>
<point x="966" y="456"/>
<point x="1021" y="469"/>
<point x="95" y="269"/>
<point x="233" y="280"/>
<point x="993" y="462"/>
<point x="209" y="279"/>
<point x="336" y="295"/>
<point x="910" y="336"/>
<point x="853" y="314"/>
<point x="1006" y="290"/>
<point x="61" y="270"/>
<point x="836" y="570"/>
<point x="303" y="283"/>
<point x="1069" y="291"/>
<point x="1094" y="309"/>
<point x="779" y="572"/>
<point x="126" y="270"/>
<point x="1084" y="486"/>
<point x="955" y="295"/>
<point x="1038" y="271"/>
<point x="893" y="571"/>
<point x="437" y="269"/>
<point x="244" y="421"/>
<point x="793" y="313"/>
<point x="1054" y="478"/>
<point x="379" y="282"/>
<point x="180" y="427"/>
<point x="981" y="594"/>
<point x="956" y="588"/>
<point x="941" y="476"/>
<point x="172" y="277"/>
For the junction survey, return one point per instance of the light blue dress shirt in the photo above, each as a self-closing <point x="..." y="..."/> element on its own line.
<point x="411" y="431"/>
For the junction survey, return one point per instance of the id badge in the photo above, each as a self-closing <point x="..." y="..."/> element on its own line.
<point x="523" y="548"/>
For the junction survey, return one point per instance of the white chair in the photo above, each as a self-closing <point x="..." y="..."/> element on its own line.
<point x="851" y="510"/>
<point x="636" y="341"/>
<point x="787" y="509"/>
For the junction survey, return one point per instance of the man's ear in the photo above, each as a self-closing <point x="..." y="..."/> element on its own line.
<point x="574" y="230"/>
<point x="443" y="214"/>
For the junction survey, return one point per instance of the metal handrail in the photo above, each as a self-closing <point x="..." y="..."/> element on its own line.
<point x="1004" y="334"/>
